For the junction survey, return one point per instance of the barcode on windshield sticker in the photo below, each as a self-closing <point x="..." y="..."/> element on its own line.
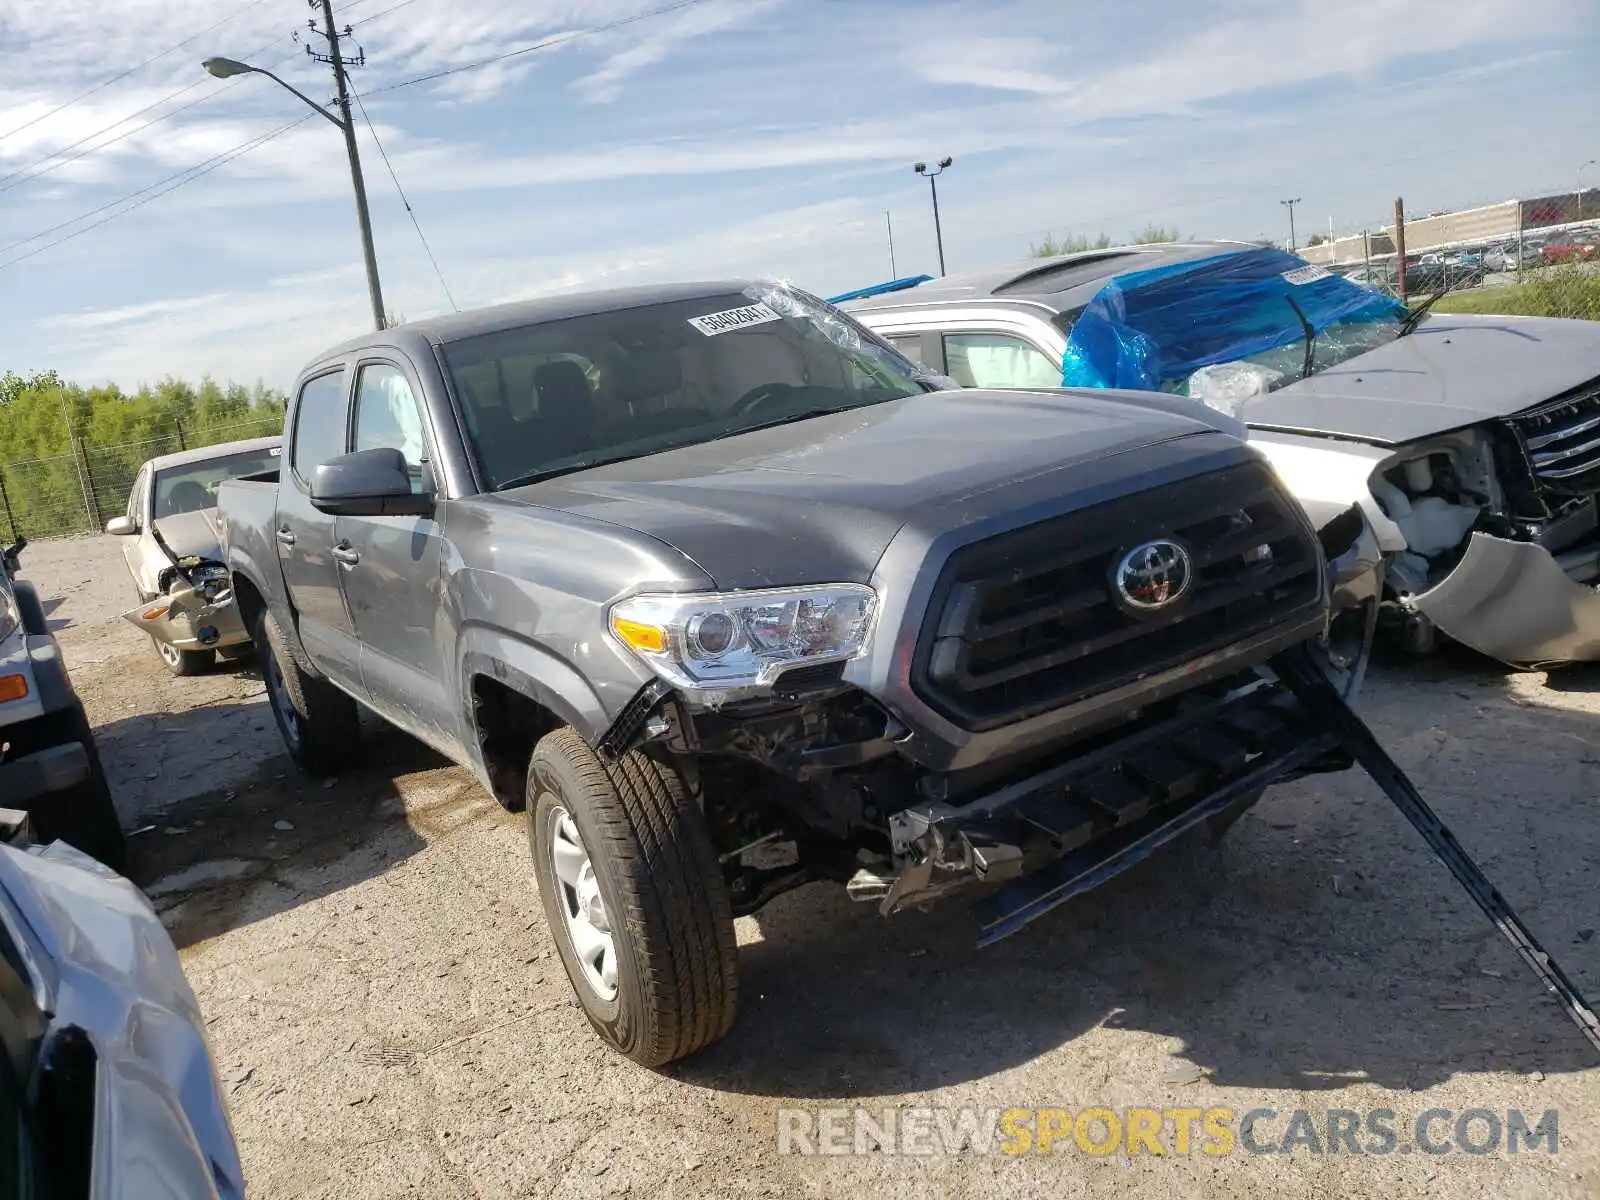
<point x="1306" y="274"/>
<point x="734" y="318"/>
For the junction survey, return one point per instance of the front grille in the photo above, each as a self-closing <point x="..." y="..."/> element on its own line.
<point x="1562" y="440"/>
<point x="1028" y="621"/>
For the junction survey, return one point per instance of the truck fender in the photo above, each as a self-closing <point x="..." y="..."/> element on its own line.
<point x="534" y="672"/>
<point x="244" y="569"/>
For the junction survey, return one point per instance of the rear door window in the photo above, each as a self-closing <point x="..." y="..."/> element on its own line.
<point x="320" y="423"/>
<point x="998" y="360"/>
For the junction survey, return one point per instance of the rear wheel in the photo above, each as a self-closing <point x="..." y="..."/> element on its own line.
<point x="634" y="897"/>
<point x="83" y="815"/>
<point x="321" y="726"/>
<point x="183" y="663"/>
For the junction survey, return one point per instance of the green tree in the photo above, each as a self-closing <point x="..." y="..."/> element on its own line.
<point x="1074" y="243"/>
<point x="1151" y="234"/>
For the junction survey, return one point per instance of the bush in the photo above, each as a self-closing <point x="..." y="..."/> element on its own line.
<point x="1550" y="293"/>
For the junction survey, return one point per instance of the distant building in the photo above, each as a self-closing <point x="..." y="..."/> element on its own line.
<point x="1468" y="227"/>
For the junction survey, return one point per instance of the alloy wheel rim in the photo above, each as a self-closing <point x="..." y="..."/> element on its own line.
<point x="588" y="925"/>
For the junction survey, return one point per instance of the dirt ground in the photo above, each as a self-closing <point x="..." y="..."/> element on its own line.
<point x="390" y="1018"/>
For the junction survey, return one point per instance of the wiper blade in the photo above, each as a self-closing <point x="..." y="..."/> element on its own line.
<point x="1311" y="339"/>
<point x="1414" y="317"/>
<point x="804" y="414"/>
<point x="544" y="473"/>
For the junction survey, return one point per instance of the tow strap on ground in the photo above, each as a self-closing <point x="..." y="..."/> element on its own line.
<point x="1314" y="691"/>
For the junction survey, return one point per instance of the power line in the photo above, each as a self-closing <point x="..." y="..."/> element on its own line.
<point x="373" y="129"/>
<point x="118" y="78"/>
<point x="55" y="160"/>
<point x="186" y="176"/>
<point x="559" y="39"/>
<point x="377" y="16"/>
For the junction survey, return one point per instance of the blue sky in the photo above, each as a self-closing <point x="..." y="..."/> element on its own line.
<point x="729" y="137"/>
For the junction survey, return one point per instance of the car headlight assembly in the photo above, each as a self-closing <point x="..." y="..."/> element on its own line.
<point x="741" y="642"/>
<point x="10" y="615"/>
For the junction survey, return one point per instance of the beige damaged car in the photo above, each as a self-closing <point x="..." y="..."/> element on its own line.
<point x="173" y="550"/>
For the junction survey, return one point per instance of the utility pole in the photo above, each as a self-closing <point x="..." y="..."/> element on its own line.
<point x="338" y="62"/>
<point x="921" y="168"/>
<point x="1400" y="247"/>
<point x="889" y="225"/>
<point x="1289" y="204"/>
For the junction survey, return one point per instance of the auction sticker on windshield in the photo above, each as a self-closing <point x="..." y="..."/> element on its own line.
<point x="1309" y="273"/>
<point x="734" y="318"/>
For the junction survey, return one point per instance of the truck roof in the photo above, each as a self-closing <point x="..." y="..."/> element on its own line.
<point x="452" y="327"/>
<point x="1064" y="282"/>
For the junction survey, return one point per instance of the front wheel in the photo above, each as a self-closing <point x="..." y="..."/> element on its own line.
<point x="181" y="664"/>
<point x="634" y="897"/>
<point x="321" y="726"/>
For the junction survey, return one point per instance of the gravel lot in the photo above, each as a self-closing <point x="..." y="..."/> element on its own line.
<point x="390" y="1018"/>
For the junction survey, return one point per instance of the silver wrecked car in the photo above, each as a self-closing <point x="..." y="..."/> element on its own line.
<point x="106" y="1080"/>
<point x="173" y="551"/>
<point x="1472" y="443"/>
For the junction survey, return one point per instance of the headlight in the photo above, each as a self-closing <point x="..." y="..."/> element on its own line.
<point x="730" y="641"/>
<point x="10" y="615"/>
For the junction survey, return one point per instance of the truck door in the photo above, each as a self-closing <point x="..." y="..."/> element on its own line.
<point x="391" y="566"/>
<point x="306" y="537"/>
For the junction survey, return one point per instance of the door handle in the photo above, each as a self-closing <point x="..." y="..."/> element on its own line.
<point x="286" y="536"/>
<point x="346" y="554"/>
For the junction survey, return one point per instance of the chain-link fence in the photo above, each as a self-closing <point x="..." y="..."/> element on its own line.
<point x="79" y="492"/>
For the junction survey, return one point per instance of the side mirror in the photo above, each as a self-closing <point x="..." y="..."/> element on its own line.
<point x="368" y="483"/>
<point x="122" y="526"/>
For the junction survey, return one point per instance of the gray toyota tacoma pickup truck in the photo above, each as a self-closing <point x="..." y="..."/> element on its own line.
<point x="732" y="596"/>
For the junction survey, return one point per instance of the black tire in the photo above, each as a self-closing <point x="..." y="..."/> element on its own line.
<point x="182" y="664"/>
<point x="676" y="960"/>
<point x="321" y="726"/>
<point x="82" y="816"/>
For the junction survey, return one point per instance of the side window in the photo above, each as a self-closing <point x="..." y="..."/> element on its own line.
<point x="909" y="344"/>
<point x="998" y="360"/>
<point x="319" y="423"/>
<point x="387" y="416"/>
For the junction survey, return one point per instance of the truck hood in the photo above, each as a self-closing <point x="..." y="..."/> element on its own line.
<point x="820" y="499"/>
<point x="191" y="533"/>
<point x="99" y="961"/>
<point x="1453" y="371"/>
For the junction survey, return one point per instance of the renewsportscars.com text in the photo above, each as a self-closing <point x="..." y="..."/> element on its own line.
<point x="1163" y="1131"/>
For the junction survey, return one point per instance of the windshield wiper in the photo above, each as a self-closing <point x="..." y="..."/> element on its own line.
<point x="1311" y="339"/>
<point x="1414" y="317"/>
<point x="544" y="473"/>
<point x="804" y="414"/>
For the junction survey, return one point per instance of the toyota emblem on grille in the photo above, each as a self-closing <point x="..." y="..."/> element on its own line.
<point x="1152" y="576"/>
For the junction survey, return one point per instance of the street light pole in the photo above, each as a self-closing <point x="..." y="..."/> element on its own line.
<point x="226" y="68"/>
<point x="921" y="168"/>
<point x="1289" y="204"/>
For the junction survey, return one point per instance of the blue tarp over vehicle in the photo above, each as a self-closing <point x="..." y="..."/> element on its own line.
<point x="1152" y="329"/>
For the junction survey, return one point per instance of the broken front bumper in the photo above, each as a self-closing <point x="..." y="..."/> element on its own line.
<point x="1070" y="827"/>
<point x="187" y="620"/>
<point x="1512" y="601"/>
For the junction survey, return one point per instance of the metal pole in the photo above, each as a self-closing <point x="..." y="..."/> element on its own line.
<point x="5" y="502"/>
<point x="183" y="443"/>
<point x="938" y="233"/>
<point x="1289" y="204"/>
<point x="92" y="500"/>
<point x="77" y="463"/>
<point x="349" y="128"/>
<point x="889" y="225"/>
<point x="1366" y="254"/>
<point x="1400" y="248"/>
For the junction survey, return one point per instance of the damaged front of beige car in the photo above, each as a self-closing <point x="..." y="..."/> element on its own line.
<point x="173" y="548"/>
<point x="1474" y="445"/>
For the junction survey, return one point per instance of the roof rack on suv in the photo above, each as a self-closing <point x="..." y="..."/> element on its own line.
<point x="878" y="289"/>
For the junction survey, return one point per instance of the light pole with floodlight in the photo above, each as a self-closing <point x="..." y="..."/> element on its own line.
<point x="921" y="168"/>
<point x="227" y="68"/>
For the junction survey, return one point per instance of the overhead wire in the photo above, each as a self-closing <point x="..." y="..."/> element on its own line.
<point x="411" y="212"/>
<point x="186" y="176"/>
<point x="59" y="158"/>
<point x="133" y="70"/>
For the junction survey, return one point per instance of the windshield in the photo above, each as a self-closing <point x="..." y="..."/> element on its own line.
<point x="193" y="486"/>
<point x="564" y="395"/>
<point x="1240" y="318"/>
